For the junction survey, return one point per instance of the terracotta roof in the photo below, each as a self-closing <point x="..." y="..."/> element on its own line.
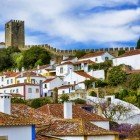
<point x="74" y="127"/>
<point x="66" y="63"/>
<point x="45" y="137"/>
<point x="84" y="74"/>
<point x="48" y="80"/>
<point x="85" y="62"/>
<point x="12" y="120"/>
<point x="70" y="58"/>
<point x="95" y="54"/>
<point x="65" y="86"/>
<point x="56" y="110"/>
<point x="10" y="74"/>
<point x="30" y="113"/>
<point x="30" y="74"/>
<point x="20" y="84"/>
<point x="130" y="53"/>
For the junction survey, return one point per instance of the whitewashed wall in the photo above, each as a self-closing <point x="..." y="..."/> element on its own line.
<point x="102" y="124"/>
<point x="66" y="91"/>
<point x="71" y="77"/>
<point x="32" y="95"/>
<point x="17" y="133"/>
<point x="66" y="69"/>
<point x="105" y="137"/>
<point x="100" y="58"/>
<point x="133" y="61"/>
<point x="99" y="74"/>
<point x="57" y="82"/>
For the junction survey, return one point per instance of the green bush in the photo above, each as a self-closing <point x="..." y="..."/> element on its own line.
<point x="64" y="98"/>
<point x="18" y="100"/>
<point x="79" y="101"/>
<point x="93" y="94"/>
<point x="116" y="76"/>
<point x="36" y="103"/>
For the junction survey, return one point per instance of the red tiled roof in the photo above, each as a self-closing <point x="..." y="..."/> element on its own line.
<point x="29" y="74"/>
<point x="74" y="127"/>
<point x="66" y="63"/>
<point x="12" y="120"/>
<point x="20" y="84"/>
<point x="85" y="62"/>
<point x="130" y="53"/>
<point x="56" y="110"/>
<point x="48" y="80"/>
<point x="30" y="113"/>
<point x="84" y="74"/>
<point x="65" y="86"/>
<point x="95" y="54"/>
<point x="70" y="58"/>
<point x="10" y="74"/>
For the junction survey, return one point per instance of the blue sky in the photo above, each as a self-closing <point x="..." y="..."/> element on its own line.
<point x="75" y="24"/>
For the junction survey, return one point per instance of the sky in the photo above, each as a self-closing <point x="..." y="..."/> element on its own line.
<point x="75" y="24"/>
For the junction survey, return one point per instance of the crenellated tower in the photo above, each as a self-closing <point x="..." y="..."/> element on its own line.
<point x="14" y="33"/>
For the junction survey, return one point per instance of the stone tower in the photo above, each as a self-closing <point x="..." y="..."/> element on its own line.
<point x="14" y="34"/>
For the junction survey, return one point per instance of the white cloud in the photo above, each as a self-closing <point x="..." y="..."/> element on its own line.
<point x="62" y="19"/>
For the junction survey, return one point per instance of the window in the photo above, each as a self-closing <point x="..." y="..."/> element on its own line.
<point x="68" y="83"/>
<point x="33" y="81"/>
<point x="18" y="82"/>
<point x="63" y="91"/>
<point x="11" y="81"/>
<point x="7" y="81"/>
<point x="11" y="91"/>
<point x="37" y="90"/>
<point x="45" y="85"/>
<point x="30" y="90"/>
<point x="2" y="79"/>
<point x="74" y="82"/>
<point x="96" y="59"/>
<point x="61" y="70"/>
<point x="16" y="90"/>
<point x="25" y="81"/>
<point x="106" y="58"/>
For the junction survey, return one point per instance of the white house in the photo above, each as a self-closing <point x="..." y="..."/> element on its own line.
<point x="12" y="127"/>
<point x="83" y="65"/>
<point x="8" y="78"/>
<point x="69" y="59"/>
<point x="75" y="77"/>
<point x="50" y="84"/>
<point x="64" y="69"/>
<point x="131" y="58"/>
<point x="30" y="77"/>
<point x="66" y="89"/>
<point x="97" y="57"/>
<point x="27" y="90"/>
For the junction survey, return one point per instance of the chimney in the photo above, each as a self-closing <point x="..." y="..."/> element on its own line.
<point x="67" y="110"/>
<point x="5" y="103"/>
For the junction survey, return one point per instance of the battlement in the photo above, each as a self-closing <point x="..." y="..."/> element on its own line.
<point x="15" y="21"/>
<point x="71" y="52"/>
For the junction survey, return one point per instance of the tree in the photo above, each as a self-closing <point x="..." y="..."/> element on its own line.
<point x="116" y="76"/>
<point x="34" y="56"/>
<point x="64" y="98"/>
<point x="93" y="94"/>
<point x="121" y="52"/>
<point x="79" y="101"/>
<point x="138" y="44"/>
<point x="36" y="103"/>
<point x="79" y="53"/>
<point x="133" y="81"/>
<point x="89" y="83"/>
<point x="112" y="111"/>
<point x="55" y="95"/>
<point x="18" y="100"/>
